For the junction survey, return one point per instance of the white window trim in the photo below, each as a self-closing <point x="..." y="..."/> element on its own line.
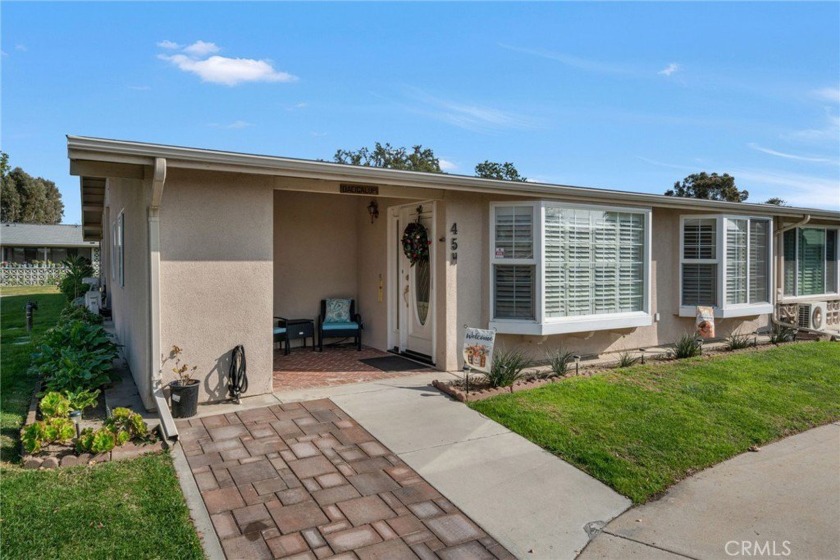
<point x="824" y="296"/>
<point x="722" y="309"/>
<point x="578" y="323"/>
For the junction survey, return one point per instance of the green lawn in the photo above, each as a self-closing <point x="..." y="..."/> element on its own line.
<point x="641" y="429"/>
<point x="131" y="509"/>
<point x="15" y="349"/>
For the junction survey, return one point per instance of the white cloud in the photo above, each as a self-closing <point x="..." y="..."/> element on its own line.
<point x="798" y="190"/>
<point x="235" y="125"/>
<point x="813" y="159"/>
<point x="221" y="69"/>
<point x="315" y="134"/>
<point x="446" y="165"/>
<point x="21" y="47"/>
<point x="140" y="88"/>
<point x="3" y="53"/>
<point x="574" y="61"/>
<point x="201" y="48"/>
<point x="466" y="115"/>
<point x="828" y="94"/>
<point x="297" y="106"/>
<point x="670" y="69"/>
<point x="830" y="132"/>
<point x="167" y="44"/>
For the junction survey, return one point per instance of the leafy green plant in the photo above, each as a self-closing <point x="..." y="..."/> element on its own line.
<point x="44" y="432"/>
<point x="72" y="285"/>
<point x="80" y="400"/>
<point x="54" y="405"/>
<point x="507" y="368"/>
<point x="559" y="360"/>
<point x="626" y="359"/>
<point x="74" y="356"/>
<point x="73" y="312"/>
<point x="687" y="346"/>
<point x="781" y="334"/>
<point x="126" y="424"/>
<point x="103" y="441"/>
<point x="737" y="341"/>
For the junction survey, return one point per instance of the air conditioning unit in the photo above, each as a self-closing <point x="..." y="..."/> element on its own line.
<point x="813" y="315"/>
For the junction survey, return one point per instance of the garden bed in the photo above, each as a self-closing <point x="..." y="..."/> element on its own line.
<point x="480" y="388"/>
<point x="54" y="455"/>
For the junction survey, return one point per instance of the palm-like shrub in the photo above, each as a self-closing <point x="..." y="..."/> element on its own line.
<point x="72" y="285"/>
<point x="507" y="368"/>
<point x="687" y="346"/>
<point x="781" y="334"/>
<point x="626" y="359"/>
<point x="559" y="360"/>
<point x="737" y="341"/>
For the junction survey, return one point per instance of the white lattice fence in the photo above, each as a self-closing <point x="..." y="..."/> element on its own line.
<point x="31" y="275"/>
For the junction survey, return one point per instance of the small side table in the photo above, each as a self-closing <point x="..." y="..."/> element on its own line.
<point x="298" y="329"/>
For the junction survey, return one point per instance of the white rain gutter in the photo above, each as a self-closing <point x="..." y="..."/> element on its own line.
<point x="170" y="431"/>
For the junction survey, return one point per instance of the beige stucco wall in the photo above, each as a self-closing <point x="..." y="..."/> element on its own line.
<point x="469" y="287"/>
<point x="217" y="275"/>
<point x="130" y="303"/>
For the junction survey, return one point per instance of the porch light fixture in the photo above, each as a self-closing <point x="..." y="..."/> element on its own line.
<point x="373" y="210"/>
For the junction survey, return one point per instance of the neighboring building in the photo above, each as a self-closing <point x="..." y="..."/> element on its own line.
<point x="37" y="243"/>
<point x="203" y="248"/>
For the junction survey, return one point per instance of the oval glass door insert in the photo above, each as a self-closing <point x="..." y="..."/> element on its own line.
<point x="422" y="287"/>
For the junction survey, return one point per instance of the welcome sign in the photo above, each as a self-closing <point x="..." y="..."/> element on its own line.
<point x="478" y="349"/>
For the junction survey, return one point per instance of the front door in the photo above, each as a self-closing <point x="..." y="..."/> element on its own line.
<point x="415" y="314"/>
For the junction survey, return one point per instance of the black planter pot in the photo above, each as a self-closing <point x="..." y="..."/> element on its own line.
<point x="184" y="398"/>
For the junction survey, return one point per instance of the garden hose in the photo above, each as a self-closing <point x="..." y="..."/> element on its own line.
<point x="238" y="378"/>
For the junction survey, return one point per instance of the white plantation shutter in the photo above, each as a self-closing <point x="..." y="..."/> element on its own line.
<point x="811" y="258"/>
<point x="699" y="284"/>
<point x="759" y="261"/>
<point x="736" y="261"/>
<point x="699" y="269"/>
<point x="515" y="232"/>
<point x="514" y="288"/>
<point x="594" y="262"/>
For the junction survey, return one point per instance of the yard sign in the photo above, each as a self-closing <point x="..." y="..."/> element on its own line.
<point x="478" y="349"/>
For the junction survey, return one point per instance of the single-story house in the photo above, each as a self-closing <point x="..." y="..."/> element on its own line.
<point x="31" y="243"/>
<point x="203" y="248"/>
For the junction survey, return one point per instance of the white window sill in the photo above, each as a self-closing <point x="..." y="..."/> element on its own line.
<point x="741" y="310"/>
<point x="586" y="323"/>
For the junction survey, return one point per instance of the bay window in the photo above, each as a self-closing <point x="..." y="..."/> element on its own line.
<point x="810" y="261"/>
<point x="725" y="264"/>
<point x="567" y="268"/>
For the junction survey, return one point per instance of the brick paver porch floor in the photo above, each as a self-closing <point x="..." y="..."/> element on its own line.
<point x="304" y="369"/>
<point x="304" y="480"/>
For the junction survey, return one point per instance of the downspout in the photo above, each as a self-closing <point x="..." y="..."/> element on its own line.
<point x="170" y="431"/>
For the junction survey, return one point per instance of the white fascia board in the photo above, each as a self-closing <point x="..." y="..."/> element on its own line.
<point x="119" y="151"/>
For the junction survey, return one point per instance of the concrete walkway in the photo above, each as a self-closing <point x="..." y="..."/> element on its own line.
<point x="783" y="501"/>
<point x="534" y="504"/>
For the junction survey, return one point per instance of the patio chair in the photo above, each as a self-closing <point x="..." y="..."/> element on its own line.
<point x="341" y="325"/>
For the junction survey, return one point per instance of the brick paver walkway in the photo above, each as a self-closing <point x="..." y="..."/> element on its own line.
<point x="304" y="480"/>
<point x="304" y="369"/>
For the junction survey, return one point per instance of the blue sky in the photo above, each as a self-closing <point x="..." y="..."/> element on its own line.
<point x="613" y="95"/>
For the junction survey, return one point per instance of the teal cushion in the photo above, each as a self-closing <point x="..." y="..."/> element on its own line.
<point x="337" y="311"/>
<point x="345" y="325"/>
<point x="279" y="330"/>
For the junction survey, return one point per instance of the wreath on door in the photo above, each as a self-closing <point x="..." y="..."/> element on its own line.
<point x="415" y="243"/>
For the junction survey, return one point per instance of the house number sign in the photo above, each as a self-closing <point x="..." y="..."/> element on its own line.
<point x="453" y="243"/>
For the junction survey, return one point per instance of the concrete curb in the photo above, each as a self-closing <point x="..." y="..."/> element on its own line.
<point x="198" y="511"/>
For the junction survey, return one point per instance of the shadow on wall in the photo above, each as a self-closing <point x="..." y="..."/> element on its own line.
<point x="216" y="382"/>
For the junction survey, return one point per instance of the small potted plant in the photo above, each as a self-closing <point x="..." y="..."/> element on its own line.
<point x="184" y="390"/>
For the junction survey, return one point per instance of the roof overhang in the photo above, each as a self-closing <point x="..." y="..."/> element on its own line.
<point x="99" y="158"/>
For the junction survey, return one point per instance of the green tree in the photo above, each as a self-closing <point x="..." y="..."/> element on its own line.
<point x="417" y="159"/>
<point x="776" y="201"/>
<point x="709" y="187"/>
<point x="27" y="199"/>
<point x="504" y="171"/>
